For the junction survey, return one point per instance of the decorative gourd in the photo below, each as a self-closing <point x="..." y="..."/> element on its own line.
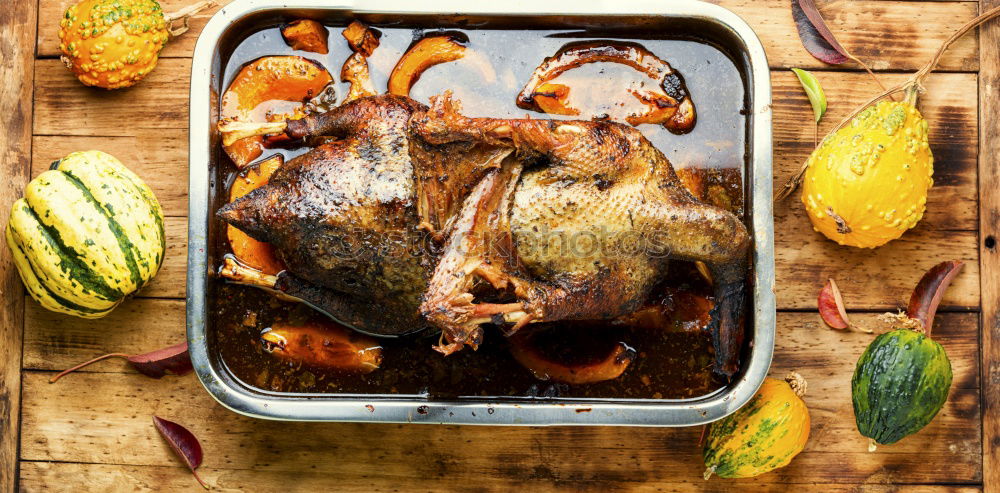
<point x="866" y="184"/>
<point x="87" y="233"/>
<point x="899" y="385"/>
<point x="763" y="435"/>
<point x="115" y="43"/>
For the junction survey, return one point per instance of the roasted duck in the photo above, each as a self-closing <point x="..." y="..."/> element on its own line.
<point x="414" y="217"/>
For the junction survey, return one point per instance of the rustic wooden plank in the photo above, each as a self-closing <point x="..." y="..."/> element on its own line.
<point x="63" y="106"/>
<point x="989" y="251"/>
<point x="158" y="157"/>
<point x="887" y="35"/>
<point x="64" y="422"/>
<point x="51" y="11"/>
<point x="71" y="478"/>
<point x="917" y="29"/>
<point x="17" y="47"/>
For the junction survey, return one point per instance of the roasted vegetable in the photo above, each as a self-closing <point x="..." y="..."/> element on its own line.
<point x="866" y="184"/>
<point x="763" y="435"/>
<point x="426" y="53"/>
<point x="253" y="253"/>
<point x="593" y="355"/>
<point x="671" y="105"/>
<point x="363" y="40"/>
<point x="272" y="89"/>
<point x="115" y="43"/>
<point x="306" y="35"/>
<point x="323" y="344"/>
<point x="902" y="379"/>
<point x="87" y="233"/>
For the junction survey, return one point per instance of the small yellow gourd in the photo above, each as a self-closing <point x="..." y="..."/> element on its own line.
<point x="866" y="184"/>
<point x="763" y="435"/>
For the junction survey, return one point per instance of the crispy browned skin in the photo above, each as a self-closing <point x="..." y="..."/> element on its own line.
<point x="530" y="220"/>
<point x="592" y="224"/>
<point x="343" y="216"/>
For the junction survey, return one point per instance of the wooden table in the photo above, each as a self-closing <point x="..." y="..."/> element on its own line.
<point x="92" y="431"/>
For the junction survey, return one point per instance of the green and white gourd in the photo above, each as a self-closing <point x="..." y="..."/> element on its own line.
<point x="87" y="234"/>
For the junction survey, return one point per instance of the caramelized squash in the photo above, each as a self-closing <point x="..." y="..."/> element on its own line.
<point x="271" y="88"/>
<point x="670" y="105"/>
<point x="551" y="99"/>
<point x="423" y="55"/>
<point x="361" y="38"/>
<point x="253" y="253"/>
<point x="592" y="357"/>
<point x="323" y="344"/>
<point x="306" y="35"/>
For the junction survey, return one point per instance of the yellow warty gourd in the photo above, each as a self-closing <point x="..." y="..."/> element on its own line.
<point x="866" y="184"/>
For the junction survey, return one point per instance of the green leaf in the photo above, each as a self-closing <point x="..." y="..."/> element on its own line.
<point x="814" y="91"/>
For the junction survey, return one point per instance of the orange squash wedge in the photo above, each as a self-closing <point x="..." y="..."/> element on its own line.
<point x="323" y="344"/>
<point x="423" y="55"/>
<point x="271" y="88"/>
<point x="306" y="35"/>
<point x="251" y="252"/>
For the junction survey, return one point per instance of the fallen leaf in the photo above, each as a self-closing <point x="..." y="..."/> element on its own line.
<point x="816" y="37"/>
<point x="814" y="91"/>
<point x="927" y="295"/>
<point x="184" y="444"/>
<point x="831" y="306"/>
<point x="174" y="360"/>
<point x="832" y="309"/>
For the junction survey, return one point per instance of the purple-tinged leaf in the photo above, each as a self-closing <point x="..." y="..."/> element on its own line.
<point x="184" y="444"/>
<point x="815" y="35"/>
<point x="927" y="295"/>
<point x="174" y="360"/>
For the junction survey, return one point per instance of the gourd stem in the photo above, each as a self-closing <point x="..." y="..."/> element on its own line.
<point x="797" y="382"/>
<point x="184" y="14"/>
<point x="867" y="69"/>
<point x="85" y="363"/>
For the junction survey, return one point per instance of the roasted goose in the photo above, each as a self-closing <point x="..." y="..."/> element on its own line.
<point x="419" y="217"/>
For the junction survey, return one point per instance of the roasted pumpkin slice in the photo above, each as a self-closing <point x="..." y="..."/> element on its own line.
<point x="669" y="105"/>
<point x="361" y="38"/>
<point x="593" y="354"/>
<point x="306" y="35"/>
<point x="251" y="252"/>
<point x="424" y="54"/>
<point x="323" y="344"/>
<point x="271" y="88"/>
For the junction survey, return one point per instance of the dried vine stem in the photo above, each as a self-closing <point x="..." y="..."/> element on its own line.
<point x="184" y="15"/>
<point x="911" y="86"/>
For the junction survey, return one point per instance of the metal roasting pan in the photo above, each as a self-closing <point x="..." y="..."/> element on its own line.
<point x="706" y="21"/>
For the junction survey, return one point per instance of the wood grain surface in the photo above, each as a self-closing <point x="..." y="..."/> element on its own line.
<point x="17" y="50"/>
<point x="989" y="250"/>
<point x="92" y="431"/>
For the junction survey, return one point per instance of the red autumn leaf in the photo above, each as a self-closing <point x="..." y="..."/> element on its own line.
<point x="184" y="444"/>
<point x="831" y="306"/>
<point x="174" y="360"/>
<point x="927" y="295"/>
<point x="816" y="37"/>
